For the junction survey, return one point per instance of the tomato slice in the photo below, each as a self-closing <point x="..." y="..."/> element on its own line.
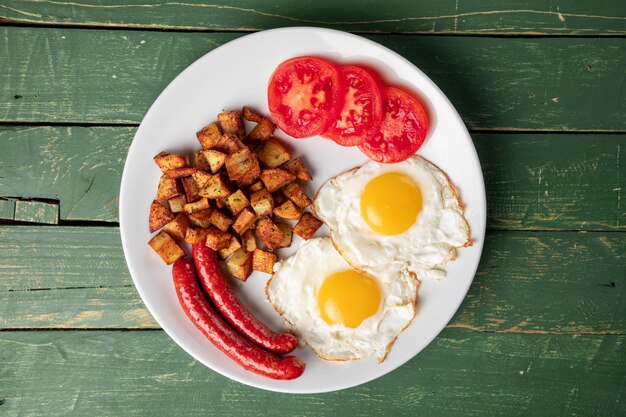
<point x="362" y="107"/>
<point x="402" y="129"/>
<point x="304" y="95"/>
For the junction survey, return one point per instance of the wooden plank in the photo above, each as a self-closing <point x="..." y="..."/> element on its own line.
<point x="36" y="212"/>
<point x="534" y="181"/>
<point x="520" y="277"/>
<point x="460" y="374"/>
<point x="576" y="17"/>
<point x="7" y="208"/>
<point x="496" y="83"/>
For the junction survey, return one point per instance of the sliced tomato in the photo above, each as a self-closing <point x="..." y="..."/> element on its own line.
<point x="362" y="107"/>
<point x="402" y="129"/>
<point x="304" y="95"/>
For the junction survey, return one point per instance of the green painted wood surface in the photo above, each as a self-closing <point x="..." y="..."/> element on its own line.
<point x="36" y="212"/>
<point x="67" y="75"/>
<point x="7" y="209"/>
<point x="73" y="277"/>
<point x="573" y="17"/>
<point x="460" y="374"/>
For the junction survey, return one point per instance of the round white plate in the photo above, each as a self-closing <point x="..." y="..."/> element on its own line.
<point x="234" y="75"/>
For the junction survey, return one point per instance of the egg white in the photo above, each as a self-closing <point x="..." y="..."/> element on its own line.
<point x="293" y="289"/>
<point x="423" y="248"/>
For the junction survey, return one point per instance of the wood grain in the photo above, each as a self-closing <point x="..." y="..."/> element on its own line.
<point x="564" y="84"/>
<point x="574" y="17"/>
<point x="534" y="181"/>
<point x="460" y="374"/>
<point x="76" y="277"/>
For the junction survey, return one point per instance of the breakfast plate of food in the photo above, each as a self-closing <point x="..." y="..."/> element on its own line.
<point x="302" y="210"/>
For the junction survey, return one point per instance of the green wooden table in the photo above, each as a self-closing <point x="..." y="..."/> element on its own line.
<point x="542" y="88"/>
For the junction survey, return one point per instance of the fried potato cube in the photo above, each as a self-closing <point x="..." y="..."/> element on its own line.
<point x="195" y="235"/>
<point x="166" y="247"/>
<point x="255" y="186"/>
<point x="177" y="228"/>
<point x="200" y="161"/>
<point x="295" y="193"/>
<point x="217" y="239"/>
<point x="232" y="123"/>
<point x="264" y="130"/>
<point x="297" y="168"/>
<point x="167" y="161"/>
<point x="287" y="235"/>
<point x="176" y="203"/>
<point x="168" y="188"/>
<point x="201" y="178"/>
<point x="180" y="172"/>
<point x="240" y="264"/>
<point x="245" y="219"/>
<point x="263" y="261"/>
<point x="232" y="247"/>
<point x="288" y="211"/>
<point x="262" y="202"/>
<point x="210" y="135"/>
<point x="215" y="159"/>
<point x="250" y="115"/>
<point x="220" y="220"/>
<point x="307" y="226"/>
<point x="275" y="178"/>
<point x="269" y="233"/>
<point x="273" y="154"/>
<point x="196" y="206"/>
<point x="220" y="203"/>
<point x="215" y="188"/>
<point x="201" y="219"/>
<point x="243" y="167"/>
<point x="236" y="202"/>
<point x="229" y="144"/>
<point x="279" y="198"/>
<point x="248" y="241"/>
<point x="191" y="187"/>
<point x="159" y="216"/>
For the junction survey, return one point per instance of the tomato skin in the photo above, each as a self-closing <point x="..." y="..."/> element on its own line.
<point x="361" y="113"/>
<point x="402" y="129"/>
<point x="304" y="95"/>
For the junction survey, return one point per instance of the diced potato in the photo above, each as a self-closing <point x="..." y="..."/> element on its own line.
<point x="236" y="202"/>
<point x="167" y="161"/>
<point x="232" y="123"/>
<point x="177" y="228"/>
<point x="288" y="211"/>
<point x="168" y="188"/>
<point x="307" y="226"/>
<point x="196" y="206"/>
<point x="191" y="188"/>
<point x="215" y="159"/>
<point x="240" y="264"/>
<point x="269" y="233"/>
<point x="229" y="144"/>
<point x="201" y="219"/>
<point x="180" y="172"/>
<point x="287" y="235"/>
<point x="248" y="241"/>
<point x="279" y="198"/>
<point x="215" y="188"/>
<point x="201" y="178"/>
<point x="195" y="235"/>
<point x="275" y="178"/>
<point x="250" y="115"/>
<point x="210" y="135"/>
<point x="264" y="130"/>
<point x="243" y="166"/>
<point x="297" y="168"/>
<point x="295" y="193"/>
<point x="166" y="247"/>
<point x="263" y="261"/>
<point x="220" y="220"/>
<point x="220" y="203"/>
<point x="176" y="203"/>
<point x="217" y="239"/>
<point x="256" y="186"/>
<point x="244" y="220"/>
<point x="159" y="216"/>
<point x="233" y="246"/>
<point x="262" y="202"/>
<point x="273" y="153"/>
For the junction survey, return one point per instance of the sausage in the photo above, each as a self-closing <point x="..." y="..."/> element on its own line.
<point x="226" y="302"/>
<point x="225" y="338"/>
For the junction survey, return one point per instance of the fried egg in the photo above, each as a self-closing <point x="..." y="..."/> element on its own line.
<point x="406" y="213"/>
<point x="342" y="313"/>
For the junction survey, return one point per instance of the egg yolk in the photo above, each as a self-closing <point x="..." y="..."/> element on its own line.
<point x="390" y="203"/>
<point x="348" y="298"/>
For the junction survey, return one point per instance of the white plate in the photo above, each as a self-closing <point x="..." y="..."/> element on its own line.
<point x="237" y="74"/>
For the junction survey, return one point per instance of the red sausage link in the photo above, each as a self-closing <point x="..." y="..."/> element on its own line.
<point x="224" y="337"/>
<point x="226" y="302"/>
